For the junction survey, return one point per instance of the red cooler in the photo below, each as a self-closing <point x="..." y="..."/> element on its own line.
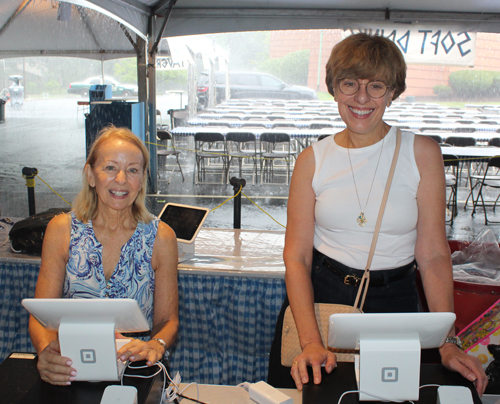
<point x="471" y="299"/>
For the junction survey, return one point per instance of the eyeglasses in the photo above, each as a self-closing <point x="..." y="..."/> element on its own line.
<point x="375" y="89"/>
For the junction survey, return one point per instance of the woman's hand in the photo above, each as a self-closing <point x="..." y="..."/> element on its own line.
<point x="54" y="368"/>
<point x="138" y="350"/>
<point x="315" y="355"/>
<point x="468" y="366"/>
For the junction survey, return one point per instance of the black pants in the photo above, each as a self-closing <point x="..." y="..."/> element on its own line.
<point x="384" y="296"/>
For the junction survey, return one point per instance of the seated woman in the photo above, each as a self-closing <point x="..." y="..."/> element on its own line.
<point x="110" y="246"/>
<point x="335" y="195"/>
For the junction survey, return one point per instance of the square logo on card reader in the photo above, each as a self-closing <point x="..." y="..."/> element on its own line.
<point x="87" y="355"/>
<point x="389" y="375"/>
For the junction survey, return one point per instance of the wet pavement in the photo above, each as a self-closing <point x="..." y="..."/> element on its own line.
<point x="50" y="136"/>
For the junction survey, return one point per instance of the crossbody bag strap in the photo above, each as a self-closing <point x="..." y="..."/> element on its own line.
<point x="365" y="279"/>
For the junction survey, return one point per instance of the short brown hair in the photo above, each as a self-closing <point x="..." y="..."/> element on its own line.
<point x="371" y="57"/>
<point x="85" y="204"/>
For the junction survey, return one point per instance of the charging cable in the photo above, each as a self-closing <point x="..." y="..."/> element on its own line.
<point x="384" y="398"/>
<point x="171" y="393"/>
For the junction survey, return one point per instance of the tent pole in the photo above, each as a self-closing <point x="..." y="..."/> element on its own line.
<point x="102" y="69"/>
<point x="151" y="107"/>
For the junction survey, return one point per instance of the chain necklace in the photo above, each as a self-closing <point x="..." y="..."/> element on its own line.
<point x="361" y="218"/>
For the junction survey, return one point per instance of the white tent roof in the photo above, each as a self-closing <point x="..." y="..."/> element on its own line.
<point x="105" y="29"/>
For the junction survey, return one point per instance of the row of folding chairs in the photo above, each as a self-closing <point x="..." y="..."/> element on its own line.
<point x="218" y="156"/>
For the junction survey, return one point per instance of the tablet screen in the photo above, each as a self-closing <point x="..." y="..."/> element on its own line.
<point x="184" y="220"/>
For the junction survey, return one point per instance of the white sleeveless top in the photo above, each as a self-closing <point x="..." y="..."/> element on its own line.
<point x="336" y="232"/>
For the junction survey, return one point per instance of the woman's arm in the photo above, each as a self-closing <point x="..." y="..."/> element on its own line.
<point x="433" y="254"/>
<point x="52" y="366"/>
<point x="166" y="301"/>
<point x="298" y="261"/>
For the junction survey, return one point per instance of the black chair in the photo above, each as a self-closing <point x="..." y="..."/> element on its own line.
<point x="437" y="138"/>
<point x="321" y="137"/>
<point x="210" y="156"/>
<point x="322" y="125"/>
<point x="283" y="125"/>
<point x="451" y="164"/>
<point x="253" y="125"/>
<point x="464" y="130"/>
<point x="461" y="141"/>
<point x="490" y="179"/>
<point x="273" y="147"/>
<point x="159" y="125"/>
<point x="494" y="141"/>
<point x="166" y="139"/>
<point x="241" y="146"/>
<point x="219" y="124"/>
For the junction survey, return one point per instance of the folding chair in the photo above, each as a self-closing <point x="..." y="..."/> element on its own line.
<point x="463" y="141"/>
<point x="166" y="138"/>
<point x="494" y="141"/>
<point x="273" y="147"/>
<point x="210" y="156"/>
<point x="451" y="163"/>
<point x="487" y="181"/>
<point x="241" y="146"/>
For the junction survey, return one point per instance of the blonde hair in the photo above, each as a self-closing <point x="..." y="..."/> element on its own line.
<point x="371" y="57"/>
<point x="86" y="202"/>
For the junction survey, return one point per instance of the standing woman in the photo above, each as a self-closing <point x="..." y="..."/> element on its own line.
<point x="110" y="246"/>
<point x="335" y="195"/>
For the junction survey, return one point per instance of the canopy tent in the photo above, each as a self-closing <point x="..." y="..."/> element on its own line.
<point x="105" y="29"/>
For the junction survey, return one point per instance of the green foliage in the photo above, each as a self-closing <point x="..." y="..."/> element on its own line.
<point x="292" y="68"/>
<point x="125" y="71"/>
<point x="324" y="96"/>
<point x="442" y="91"/>
<point x="474" y="83"/>
<point x="52" y="86"/>
<point x="171" y="80"/>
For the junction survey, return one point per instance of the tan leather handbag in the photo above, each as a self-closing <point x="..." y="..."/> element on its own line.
<point x="290" y="343"/>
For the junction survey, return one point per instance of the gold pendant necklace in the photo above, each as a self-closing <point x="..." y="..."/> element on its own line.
<point x="361" y="220"/>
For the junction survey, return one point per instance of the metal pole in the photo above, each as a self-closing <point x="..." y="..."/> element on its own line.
<point x="319" y="59"/>
<point x="29" y="175"/>
<point x="236" y="183"/>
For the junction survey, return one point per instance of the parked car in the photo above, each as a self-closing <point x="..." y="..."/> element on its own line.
<point x="251" y="85"/>
<point x="118" y="90"/>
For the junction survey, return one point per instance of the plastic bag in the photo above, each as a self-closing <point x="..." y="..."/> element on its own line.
<point x="479" y="262"/>
<point x="26" y="236"/>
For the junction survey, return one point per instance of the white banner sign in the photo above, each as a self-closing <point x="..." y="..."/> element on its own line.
<point x="167" y="63"/>
<point x="450" y="45"/>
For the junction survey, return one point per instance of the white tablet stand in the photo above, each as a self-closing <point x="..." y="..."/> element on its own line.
<point x="388" y="365"/>
<point x="186" y="221"/>
<point x="86" y="329"/>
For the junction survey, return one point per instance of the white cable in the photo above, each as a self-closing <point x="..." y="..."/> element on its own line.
<point x="197" y="389"/>
<point x="170" y="393"/>
<point x="380" y="398"/>
<point x="4" y="242"/>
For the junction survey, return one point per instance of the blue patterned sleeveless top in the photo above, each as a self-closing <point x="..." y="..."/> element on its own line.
<point x="133" y="277"/>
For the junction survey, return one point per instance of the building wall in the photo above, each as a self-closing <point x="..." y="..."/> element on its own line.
<point x="420" y="78"/>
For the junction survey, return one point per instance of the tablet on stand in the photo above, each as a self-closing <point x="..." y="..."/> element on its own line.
<point x="86" y="330"/>
<point x="388" y="365"/>
<point x="186" y="221"/>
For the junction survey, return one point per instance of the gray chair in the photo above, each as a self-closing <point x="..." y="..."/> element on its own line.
<point x="166" y="139"/>
<point x="241" y="146"/>
<point x="210" y="157"/>
<point x="451" y="164"/>
<point x="489" y="180"/>
<point x="275" y="147"/>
